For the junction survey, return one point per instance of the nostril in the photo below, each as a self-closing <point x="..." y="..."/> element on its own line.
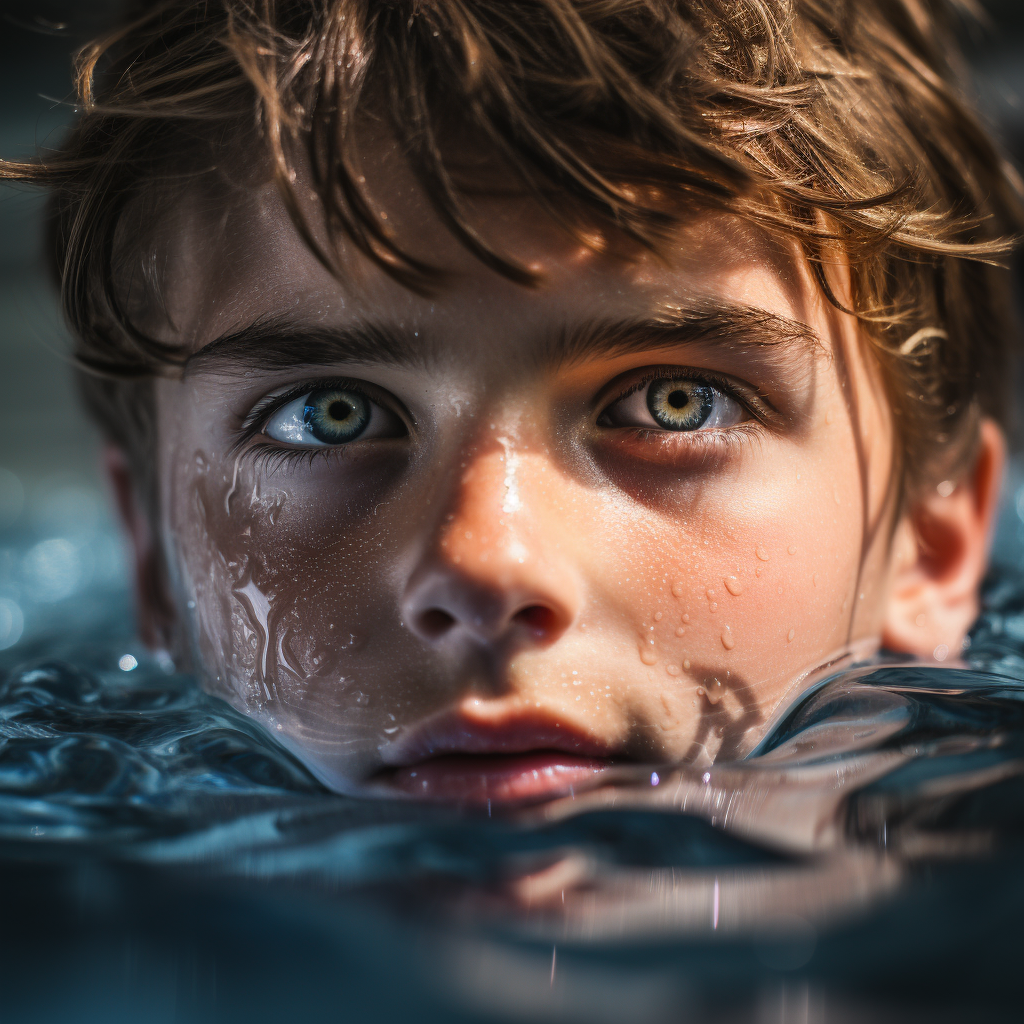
<point x="538" y="618"/>
<point x="435" y="622"/>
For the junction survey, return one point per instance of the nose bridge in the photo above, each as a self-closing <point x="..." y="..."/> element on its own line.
<point x="486" y="519"/>
<point x="495" y="562"/>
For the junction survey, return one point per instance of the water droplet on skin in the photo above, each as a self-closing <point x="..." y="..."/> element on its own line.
<point x="814" y="579"/>
<point x="362" y="699"/>
<point x="714" y="691"/>
<point x="941" y="652"/>
<point x="686" y="617"/>
<point x="828" y="416"/>
<point x="791" y="634"/>
<point x="680" y="631"/>
<point x="733" y="585"/>
<point x="658" y="616"/>
<point x="921" y="620"/>
<point x="714" y="606"/>
<point x="648" y="658"/>
<point x="761" y="553"/>
<point x="791" y="549"/>
<point x="678" y="590"/>
<point x="727" y="639"/>
<point x="686" y="664"/>
<point x="946" y="488"/>
<point x="700" y="691"/>
<point x="846" y="604"/>
<point x="710" y="593"/>
<point x="672" y="670"/>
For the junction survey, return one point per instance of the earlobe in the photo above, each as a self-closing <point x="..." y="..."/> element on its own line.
<point x="154" y="609"/>
<point x="940" y="553"/>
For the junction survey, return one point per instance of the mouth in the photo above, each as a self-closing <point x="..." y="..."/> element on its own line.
<point x="510" y="760"/>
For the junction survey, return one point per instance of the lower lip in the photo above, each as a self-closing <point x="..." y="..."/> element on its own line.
<point x="499" y="778"/>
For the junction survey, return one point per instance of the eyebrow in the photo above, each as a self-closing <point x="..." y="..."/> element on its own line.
<point x="278" y="343"/>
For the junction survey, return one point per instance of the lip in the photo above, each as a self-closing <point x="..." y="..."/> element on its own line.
<point x="511" y="758"/>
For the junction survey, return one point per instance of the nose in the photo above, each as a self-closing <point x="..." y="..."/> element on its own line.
<point x="495" y="572"/>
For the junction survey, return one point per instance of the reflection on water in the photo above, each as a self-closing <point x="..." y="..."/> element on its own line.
<point x="834" y="872"/>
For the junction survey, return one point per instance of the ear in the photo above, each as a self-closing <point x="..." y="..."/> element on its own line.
<point x="153" y="606"/>
<point x="940" y="553"/>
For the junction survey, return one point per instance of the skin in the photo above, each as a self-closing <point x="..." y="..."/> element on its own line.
<point x="509" y="573"/>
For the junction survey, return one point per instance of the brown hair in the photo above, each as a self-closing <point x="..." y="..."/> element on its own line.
<point x="841" y="123"/>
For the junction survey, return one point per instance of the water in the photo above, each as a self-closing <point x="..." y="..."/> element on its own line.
<point x="165" y="860"/>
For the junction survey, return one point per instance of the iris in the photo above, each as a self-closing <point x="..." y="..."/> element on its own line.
<point x="334" y="416"/>
<point x="680" y="404"/>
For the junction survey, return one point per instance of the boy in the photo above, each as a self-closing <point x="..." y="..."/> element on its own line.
<point x="498" y="391"/>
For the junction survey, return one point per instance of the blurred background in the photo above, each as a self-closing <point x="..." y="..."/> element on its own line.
<point x="57" y="539"/>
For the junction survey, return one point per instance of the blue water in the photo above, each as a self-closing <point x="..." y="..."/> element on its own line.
<point x="162" y="859"/>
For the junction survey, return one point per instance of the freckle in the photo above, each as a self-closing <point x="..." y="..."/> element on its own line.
<point x="672" y="670"/>
<point x="727" y="639"/>
<point x="733" y="585"/>
<point x="791" y="549"/>
<point x="686" y="617"/>
<point x="791" y="634"/>
<point x="678" y="590"/>
<point x="658" y="616"/>
<point x="680" y="631"/>
<point x="648" y="657"/>
<point x="686" y="664"/>
<point x="761" y="553"/>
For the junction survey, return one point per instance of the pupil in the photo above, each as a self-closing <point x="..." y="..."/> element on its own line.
<point x="678" y="399"/>
<point x="339" y="410"/>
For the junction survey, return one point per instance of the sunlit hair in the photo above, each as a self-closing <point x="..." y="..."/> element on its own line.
<point x="839" y="123"/>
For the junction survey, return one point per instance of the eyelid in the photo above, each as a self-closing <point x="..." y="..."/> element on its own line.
<point x="747" y="395"/>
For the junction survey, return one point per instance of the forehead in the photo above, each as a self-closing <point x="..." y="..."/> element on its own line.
<point x="234" y="258"/>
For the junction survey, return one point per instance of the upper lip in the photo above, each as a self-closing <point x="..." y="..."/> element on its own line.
<point x="515" y="732"/>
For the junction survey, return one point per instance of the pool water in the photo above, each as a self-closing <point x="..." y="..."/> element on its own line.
<point x="165" y="860"/>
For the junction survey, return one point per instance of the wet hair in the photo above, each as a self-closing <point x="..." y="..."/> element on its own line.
<point x="842" y="124"/>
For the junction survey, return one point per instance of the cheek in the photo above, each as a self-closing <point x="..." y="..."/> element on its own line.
<point x="288" y="609"/>
<point x="750" y="588"/>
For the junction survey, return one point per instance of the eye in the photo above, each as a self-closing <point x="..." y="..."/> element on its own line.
<point x="674" y="403"/>
<point x="331" y="416"/>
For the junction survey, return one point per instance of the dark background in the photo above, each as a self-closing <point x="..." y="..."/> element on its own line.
<point x="57" y="541"/>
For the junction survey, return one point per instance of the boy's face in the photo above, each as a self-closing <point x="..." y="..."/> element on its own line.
<point x="482" y="544"/>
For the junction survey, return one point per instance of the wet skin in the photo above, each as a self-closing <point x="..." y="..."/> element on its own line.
<point x="514" y="576"/>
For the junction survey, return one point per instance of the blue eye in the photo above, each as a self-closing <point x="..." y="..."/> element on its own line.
<point x="331" y="416"/>
<point x="679" y="404"/>
<point x="334" y="417"/>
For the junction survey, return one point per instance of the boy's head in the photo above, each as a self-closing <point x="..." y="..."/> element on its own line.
<point x="498" y="389"/>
